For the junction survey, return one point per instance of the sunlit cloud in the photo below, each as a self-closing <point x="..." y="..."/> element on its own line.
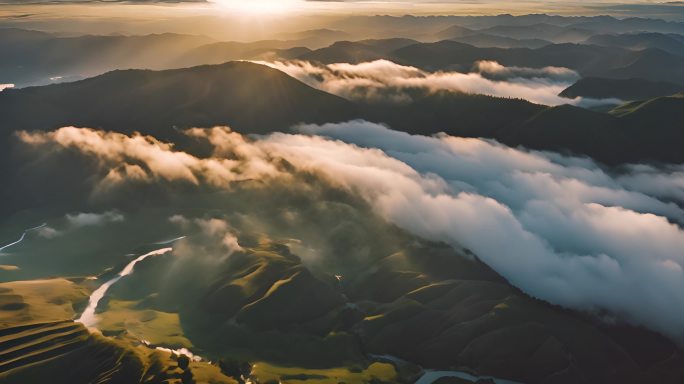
<point x="383" y="80"/>
<point x="145" y="159"/>
<point x="86" y="219"/>
<point x="258" y="7"/>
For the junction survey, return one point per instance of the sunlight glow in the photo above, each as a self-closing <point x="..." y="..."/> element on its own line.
<point x="260" y="6"/>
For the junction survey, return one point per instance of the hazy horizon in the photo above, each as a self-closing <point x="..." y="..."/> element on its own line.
<point x="265" y="19"/>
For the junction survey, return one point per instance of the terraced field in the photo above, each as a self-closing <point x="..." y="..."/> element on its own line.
<point x="68" y="353"/>
<point x="25" y="345"/>
<point x="28" y="352"/>
<point x="39" y="340"/>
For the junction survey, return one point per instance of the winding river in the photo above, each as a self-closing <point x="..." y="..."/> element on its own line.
<point x="431" y="376"/>
<point x="88" y="317"/>
<point x="23" y="236"/>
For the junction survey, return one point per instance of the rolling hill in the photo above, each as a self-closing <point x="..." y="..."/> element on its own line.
<point x="249" y="97"/>
<point x="454" y="32"/>
<point x="256" y="99"/>
<point x="454" y="55"/>
<point x="486" y="41"/>
<point x="671" y="43"/>
<point x="347" y="52"/>
<point x="656" y="124"/>
<point x="623" y="89"/>
<point x="577" y="28"/>
<point x="221" y="52"/>
<point x="461" y="53"/>
<point x="532" y="31"/>
<point x="651" y="64"/>
<point x="397" y="295"/>
<point x="38" y="58"/>
<point x="38" y="340"/>
<point x="31" y="57"/>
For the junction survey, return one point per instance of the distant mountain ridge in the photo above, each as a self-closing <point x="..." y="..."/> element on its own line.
<point x="32" y="57"/>
<point x="623" y="89"/>
<point x="589" y="60"/>
<point x="613" y="48"/>
<point x="256" y="99"/>
<point x="671" y="43"/>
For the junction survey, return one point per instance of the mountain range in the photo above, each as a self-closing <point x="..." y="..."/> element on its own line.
<point x="256" y="99"/>
<point x="343" y="200"/>
<point x="37" y="58"/>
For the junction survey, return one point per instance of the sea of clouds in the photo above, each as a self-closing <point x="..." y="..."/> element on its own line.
<point x="562" y="229"/>
<point x="383" y="80"/>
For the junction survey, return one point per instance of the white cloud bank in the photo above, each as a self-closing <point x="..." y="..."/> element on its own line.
<point x="87" y="219"/>
<point x="210" y="231"/>
<point x="561" y="229"/>
<point x="145" y="159"/>
<point x="386" y="80"/>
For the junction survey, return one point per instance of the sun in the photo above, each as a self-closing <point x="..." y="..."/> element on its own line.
<point x="259" y="6"/>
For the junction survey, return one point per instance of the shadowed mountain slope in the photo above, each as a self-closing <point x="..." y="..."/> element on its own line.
<point x="486" y="41"/>
<point x="397" y="295"/>
<point x="453" y="55"/>
<point x="623" y="89"/>
<point x="651" y="64"/>
<point x="346" y="52"/>
<point x="589" y="60"/>
<point x="39" y="341"/>
<point x="661" y="118"/>
<point x="31" y="57"/>
<point x="564" y="128"/>
<point x="257" y="99"/>
<point x="533" y="31"/>
<point x="671" y="43"/>
<point x="249" y="97"/>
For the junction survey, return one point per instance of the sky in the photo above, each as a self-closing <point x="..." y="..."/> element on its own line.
<point x="10" y="9"/>
<point x="240" y="20"/>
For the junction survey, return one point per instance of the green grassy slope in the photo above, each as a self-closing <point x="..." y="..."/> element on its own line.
<point x="30" y="354"/>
